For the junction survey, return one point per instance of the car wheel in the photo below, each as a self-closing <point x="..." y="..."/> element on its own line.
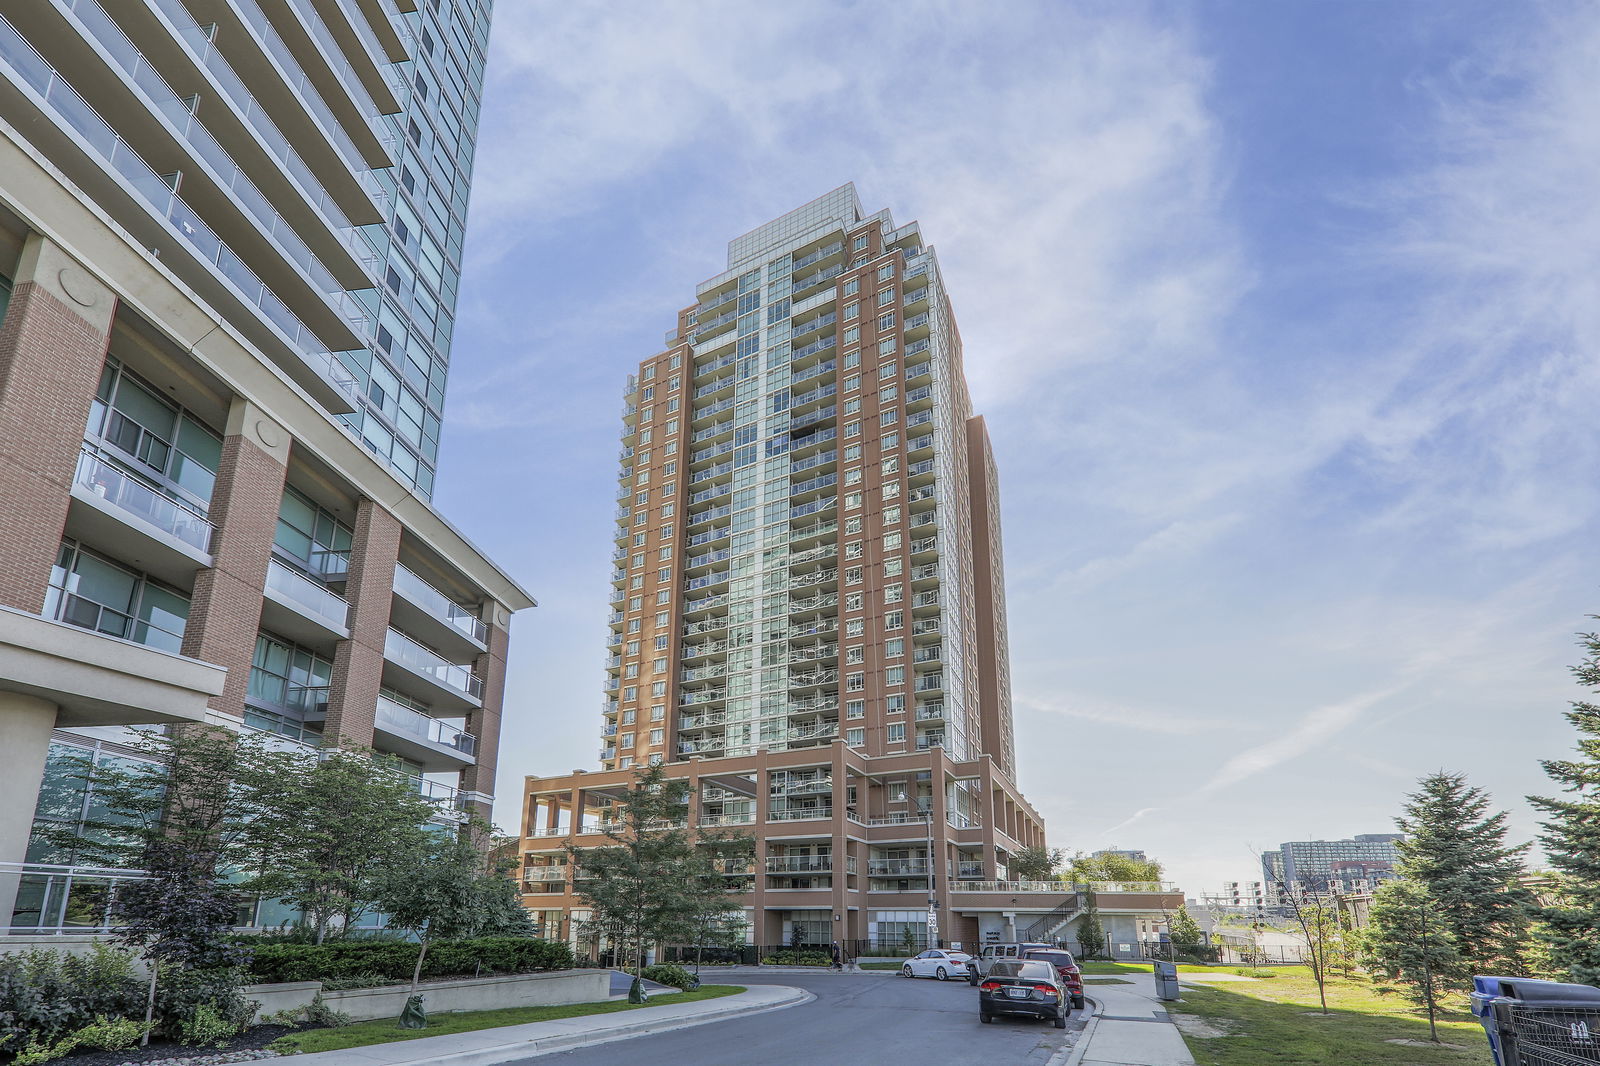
<point x="941" y="974"/>
<point x="1061" y="1021"/>
<point x="905" y="971"/>
<point x="985" y="1017"/>
<point x="1077" y="1002"/>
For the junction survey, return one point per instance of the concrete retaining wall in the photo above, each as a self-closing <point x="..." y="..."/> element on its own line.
<point x="558" y="988"/>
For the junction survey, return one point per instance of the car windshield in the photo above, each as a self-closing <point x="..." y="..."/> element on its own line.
<point x="1035" y="971"/>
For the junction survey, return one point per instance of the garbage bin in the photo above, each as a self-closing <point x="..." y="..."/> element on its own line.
<point x="1546" y="1023"/>
<point x="1166" y="981"/>
<point x="1485" y="990"/>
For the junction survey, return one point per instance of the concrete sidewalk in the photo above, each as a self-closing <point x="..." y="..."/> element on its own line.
<point x="513" y="1043"/>
<point x="1131" y="1027"/>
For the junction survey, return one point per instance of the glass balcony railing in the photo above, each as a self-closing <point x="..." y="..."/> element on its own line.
<point x="897" y="867"/>
<point x="397" y="718"/>
<point x="233" y="87"/>
<point x="408" y="653"/>
<point x="143" y="74"/>
<point x="28" y="68"/>
<point x="442" y="607"/>
<point x="125" y="491"/>
<point x="308" y="596"/>
<point x="257" y="19"/>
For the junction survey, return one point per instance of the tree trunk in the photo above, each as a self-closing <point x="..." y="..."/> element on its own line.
<point x="150" y="1004"/>
<point x="416" y="973"/>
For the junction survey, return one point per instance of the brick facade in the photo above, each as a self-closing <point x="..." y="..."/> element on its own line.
<point x="358" y="662"/>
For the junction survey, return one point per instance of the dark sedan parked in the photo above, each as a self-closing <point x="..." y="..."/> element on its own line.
<point x="1014" y="986"/>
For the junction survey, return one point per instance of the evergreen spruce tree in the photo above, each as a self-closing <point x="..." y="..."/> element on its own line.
<point x="1571" y="837"/>
<point x="1455" y="847"/>
<point x="1408" y="942"/>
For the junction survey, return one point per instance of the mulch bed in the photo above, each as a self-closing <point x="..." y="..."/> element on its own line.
<point x="254" y="1039"/>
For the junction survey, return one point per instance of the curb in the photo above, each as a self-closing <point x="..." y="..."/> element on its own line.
<point x="497" y="1054"/>
<point x="1080" y="1048"/>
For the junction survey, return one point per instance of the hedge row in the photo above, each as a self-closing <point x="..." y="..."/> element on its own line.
<point x="395" y="959"/>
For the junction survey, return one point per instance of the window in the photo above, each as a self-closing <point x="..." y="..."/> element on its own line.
<point x="854" y="550"/>
<point x="896" y="733"/>
<point x="663" y="596"/>
<point x="97" y="594"/>
<point x="894" y="619"/>
<point x="892" y="567"/>
<point x="853" y="602"/>
<point x="658" y="689"/>
<point x="661" y="643"/>
<point x="887" y="370"/>
<point x="855" y="656"/>
<point x="665" y="552"/>
<point x="888" y="466"/>
<point x="852" y="452"/>
<point x="661" y="620"/>
<point x="631" y="670"/>
<point x="629" y="716"/>
<point x="656" y="735"/>
<point x="891" y="541"/>
<point x="659" y="666"/>
<point x="638" y="581"/>
<point x="886" y="322"/>
<point x="852" y="525"/>
<point x="852" y="335"/>
<point x="635" y="602"/>
<point x="633" y="647"/>
<point x="650" y="373"/>
<point x="625" y="741"/>
<point x="852" y="359"/>
<point x="891" y="490"/>
<point x="893" y="649"/>
<point x="852" y="500"/>
<point x="658" y="713"/>
<point x="670" y="468"/>
<point x="852" y="310"/>
<point x="888" y="394"/>
<point x="855" y="682"/>
<point x="626" y="763"/>
<point x="894" y="704"/>
<point x="649" y="390"/>
<point x="886" y="272"/>
<point x="639" y="539"/>
<point x="855" y="738"/>
<point x="891" y="516"/>
<point x="852" y="575"/>
<point x="852" y="383"/>
<point x="860" y="243"/>
<point x="630" y="693"/>
<point x="676" y="380"/>
<point x="894" y="675"/>
<point x="855" y="709"/>
<point x="855" y="627"/>
<point x="893" y="593"/>
<point x="888" y="442"/>
<point x="887" y="346"/>
<point x="638" y="560"/>
<point x="852" y="287"/>
<point x="852" y="476"/>
<point x="667" y="511"/>
<point x="852" y="429"/>
<point x="633" y="625"/>
<point x="642" y="498"/>
<point x="885" y="297"/>
<point x="664" y="574"/>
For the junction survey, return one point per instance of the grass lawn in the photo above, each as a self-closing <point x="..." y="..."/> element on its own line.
<point x="381" y="1032"/>
<point x="1267" y="1022"/>
<point x="879" y="965"/>
<point x="1183" y="967"/>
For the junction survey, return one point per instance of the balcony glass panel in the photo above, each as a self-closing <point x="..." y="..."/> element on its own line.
<point x="25" y="66"/>
<point x="413" y="656"/>
<point x="127" y="492"/>
<point x="309" y="596"/>
<point x="439" y="605"/>
<point x="393" y="716"/>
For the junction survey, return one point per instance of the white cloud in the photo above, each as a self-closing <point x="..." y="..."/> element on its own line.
<point x="1140" y="719"/>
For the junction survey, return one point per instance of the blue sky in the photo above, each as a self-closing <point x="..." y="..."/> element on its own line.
<point x="1284" y="315"/>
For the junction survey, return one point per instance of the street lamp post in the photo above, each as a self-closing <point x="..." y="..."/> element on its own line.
<point x="933" y="899"/>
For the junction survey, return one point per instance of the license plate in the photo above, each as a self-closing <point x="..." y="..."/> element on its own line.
<point x="1017" y="993"/>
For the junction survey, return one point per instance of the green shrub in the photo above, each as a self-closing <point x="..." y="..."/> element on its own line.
<point x="313" y="1015"/>
<point x="110" y="1034"/>
<point x="207" y="1027"/>
<point x="394" y="960"/>
<point x="666" y="973"/>
<point x="38" y="1050"/>
<point x="181" y="995"/>
<point x="44" y="995"/>
<point x="371" y="979"/>
<point x="794" y="957"/>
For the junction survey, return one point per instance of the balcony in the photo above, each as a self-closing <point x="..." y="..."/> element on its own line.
<point x="421" y="738"/>
<point x="738" y="818"/>
<point x="424" y="610"/>
<point x="799" y="814"/>
<point x="301" y="608"/>
<point x="111" y="506"/>
<point x="929" y="740"/>
<point x="145" y="204"/>
<point x="897" y="867"/>
<point x="546" y="874"/>
<point x="799" y="864"/>
<point x="425" y="674"/>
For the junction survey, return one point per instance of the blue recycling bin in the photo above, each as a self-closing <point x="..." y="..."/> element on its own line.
<point x="1485" y="990"/>
<point x="1543" y="1023"/>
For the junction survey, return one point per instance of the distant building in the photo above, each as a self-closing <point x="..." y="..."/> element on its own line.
<point x="1131" y="856"/>
<point x="1347" y="865"/>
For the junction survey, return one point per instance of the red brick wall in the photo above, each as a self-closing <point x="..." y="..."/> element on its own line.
<point x="358" y="662"/>
<point x="225" y="613"/>
<point x="50" y="361"/>
<point x="484" y="723"/>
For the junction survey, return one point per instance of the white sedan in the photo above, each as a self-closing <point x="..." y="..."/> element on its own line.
<point x="937" y="963"/>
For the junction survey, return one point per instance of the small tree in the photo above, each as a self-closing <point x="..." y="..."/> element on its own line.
<point x="1571" y="838"/>
<point x="1408" y="942"/>
<point x="1035" y="863"/>
<point x="650" y="883"/>
<point x="1091" y="935"/>
<point x="1187" y="939"/>
<point x="1456" y="847"/>
<point x="332" y="825"/>
<point x="1107" y="867"/>
<point x="1314" y="911"/>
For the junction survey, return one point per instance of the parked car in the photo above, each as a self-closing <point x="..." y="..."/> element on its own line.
<point x="937" y="963"/>
<point x="1023" y="986"/>
<point x="993" y="953"/>
<point x="1066" y="968"/>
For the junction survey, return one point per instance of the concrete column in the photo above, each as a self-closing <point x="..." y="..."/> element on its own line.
<point x="225" y="613"/>
<point x="358" y="662"/>
<point x="52" y="348"/>
<point x="25" y="725"/>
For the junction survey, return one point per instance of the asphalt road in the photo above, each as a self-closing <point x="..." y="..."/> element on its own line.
<point x="855" y="1019"/>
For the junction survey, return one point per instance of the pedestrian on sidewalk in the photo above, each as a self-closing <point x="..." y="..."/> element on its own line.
<point x="838" y="958"/>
